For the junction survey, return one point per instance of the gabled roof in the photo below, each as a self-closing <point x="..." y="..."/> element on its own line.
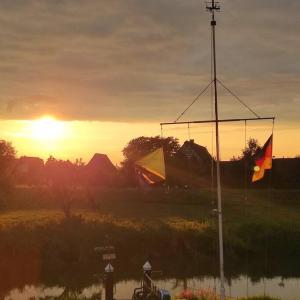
<point x="102" y="163"/>
<point x="191" y="149"/>
<point x="26" y="163"/>
<point x="30" y="159"/>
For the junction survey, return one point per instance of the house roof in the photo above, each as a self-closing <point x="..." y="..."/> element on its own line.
<point x="101" y="162"/>
<point x="190" y="149"/>
<point x="30" y="159"/>
<point x="26" y="163"/>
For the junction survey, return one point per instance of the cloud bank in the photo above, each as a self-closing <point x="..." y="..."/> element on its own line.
<point x="141" y="60"/>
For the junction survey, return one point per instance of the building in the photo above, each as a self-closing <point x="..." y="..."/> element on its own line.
<point x="191" y="166"/>
<point x="100" y="171"/>
<point x="196" y="156"/>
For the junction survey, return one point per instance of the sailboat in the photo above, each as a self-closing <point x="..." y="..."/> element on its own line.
<point x="214" y="6"/>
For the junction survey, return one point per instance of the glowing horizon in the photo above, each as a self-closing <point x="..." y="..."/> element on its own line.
<point x="81" y="139"/>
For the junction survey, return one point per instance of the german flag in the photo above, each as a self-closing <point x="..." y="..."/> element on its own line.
<point x="263" y="160"/>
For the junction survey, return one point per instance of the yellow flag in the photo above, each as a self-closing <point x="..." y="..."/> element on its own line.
<point x="154" y="163"/>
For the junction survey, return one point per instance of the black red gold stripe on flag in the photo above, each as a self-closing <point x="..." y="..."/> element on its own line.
<point x="263" y="160"/>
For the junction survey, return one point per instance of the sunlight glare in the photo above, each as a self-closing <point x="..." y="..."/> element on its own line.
<point x="46" y="129"/>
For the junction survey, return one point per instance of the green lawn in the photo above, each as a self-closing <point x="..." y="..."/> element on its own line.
<point x="178" y="208"/>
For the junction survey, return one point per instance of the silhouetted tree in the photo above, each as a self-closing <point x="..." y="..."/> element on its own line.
<point x="249" y="151"/>
<point x="7" y="159"/>
<point x="7" y="153"/>
<point x="252" y="147"/>
<point x="240" y="167"/>
<point x="61" y="178"/>
<point x="79" y="162"/>
<point x="143" y="145"/>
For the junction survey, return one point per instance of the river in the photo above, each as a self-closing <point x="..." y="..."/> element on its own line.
<point x="283" y="288"/>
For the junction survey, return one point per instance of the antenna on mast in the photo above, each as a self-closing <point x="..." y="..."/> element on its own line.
<point x="212" y="5"/>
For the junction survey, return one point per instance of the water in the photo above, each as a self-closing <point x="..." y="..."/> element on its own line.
<point x="285" y="289"/>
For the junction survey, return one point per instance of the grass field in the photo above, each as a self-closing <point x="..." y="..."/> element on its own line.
<point x="250" y="221"/>
<point x="179" y="208"/>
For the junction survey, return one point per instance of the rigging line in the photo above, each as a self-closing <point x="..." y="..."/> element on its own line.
<point x="238" y="98"/>
<point x="271" y="173"/>
<point x="199" y="95"/>
<point x="267" y="250"/>
<point x="246" y="166"/>
<point x="212" y="124"/>
<point x="245" y="207"/>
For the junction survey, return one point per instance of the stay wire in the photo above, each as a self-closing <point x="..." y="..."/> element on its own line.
<point x="238" y="98"/>
<point x="266" y="262"/>
<point x="246" y="166"/>
<point x="246" y="210"/>
<point x="270" y="177"/>
<point x="162" y="136"/>
<point x="198" y="96"/>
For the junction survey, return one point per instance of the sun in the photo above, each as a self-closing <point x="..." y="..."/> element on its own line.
<point x="46" y="129"/>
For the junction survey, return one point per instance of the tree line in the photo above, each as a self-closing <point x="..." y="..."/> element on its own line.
<point x="182" y="170"/>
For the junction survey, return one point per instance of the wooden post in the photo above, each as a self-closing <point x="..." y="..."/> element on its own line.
<point x="109" y="282"/>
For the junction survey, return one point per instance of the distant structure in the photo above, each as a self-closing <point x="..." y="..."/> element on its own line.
<point x="100" y="171"/>
<point x="196" y="153"/>
<point x="28" y="170"/>
<point x="192" y="166"/>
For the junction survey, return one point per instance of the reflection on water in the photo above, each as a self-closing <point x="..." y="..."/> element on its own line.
<point x="31" y="292"/>
<point x="285" y="289"/>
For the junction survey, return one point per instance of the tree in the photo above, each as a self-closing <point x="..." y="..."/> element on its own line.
<point x="61" y="178"/>
<point x="143" y="145"/>
<point x="252" y="147"/>
<point x="7" y="161"/>
<point x="60" y="172"/>
<point x="79" y="162"/>
<point x="7" y="155"/>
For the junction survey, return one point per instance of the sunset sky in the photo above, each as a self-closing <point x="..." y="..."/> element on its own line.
<point x="111" y="70"/>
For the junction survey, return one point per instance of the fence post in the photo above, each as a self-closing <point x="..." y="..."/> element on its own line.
<point x="109" y="282"/>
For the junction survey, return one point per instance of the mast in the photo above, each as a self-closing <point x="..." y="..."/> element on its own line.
<point x="212" y="7"/>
